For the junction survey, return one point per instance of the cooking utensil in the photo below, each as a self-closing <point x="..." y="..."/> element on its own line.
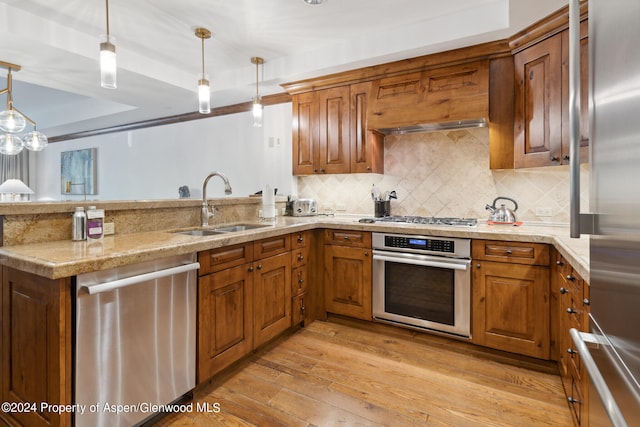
<point x="502" y="215"/>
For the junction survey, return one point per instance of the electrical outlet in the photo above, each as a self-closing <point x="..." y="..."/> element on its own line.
<point x="544" y="212"/>
<point x="108" y="228"/>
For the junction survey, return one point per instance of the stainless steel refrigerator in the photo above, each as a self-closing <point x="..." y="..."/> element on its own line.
<point x="611" y="351"/>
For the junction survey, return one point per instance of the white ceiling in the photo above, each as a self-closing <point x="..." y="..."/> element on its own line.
<point x="57" y="44"/>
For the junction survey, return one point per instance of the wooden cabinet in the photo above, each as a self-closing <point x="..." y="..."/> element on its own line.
<point x="330" y="133"/>
<point x="244" y="300"/>
<point x="511" y="297"/>
<point x="36" y="347"/>
<point x="225" y="308"/>
<point x="573" y="312"/>
<point x="541" y="113"/>
<point x="435" y="95"/>
<point x="300" y="266"/>
<point x="347" y="273"/>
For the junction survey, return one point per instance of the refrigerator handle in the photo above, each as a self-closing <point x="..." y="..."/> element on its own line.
<point x="578" y="223"/>
<point x="597" y="380"/>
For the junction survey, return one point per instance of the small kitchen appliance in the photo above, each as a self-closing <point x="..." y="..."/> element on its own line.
<point x="304" y="207"/>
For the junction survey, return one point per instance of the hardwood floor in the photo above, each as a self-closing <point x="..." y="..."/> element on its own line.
<point x="350" y="373"/>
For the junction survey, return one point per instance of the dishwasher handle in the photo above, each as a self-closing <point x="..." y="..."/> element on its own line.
<point x="128" y="281"/>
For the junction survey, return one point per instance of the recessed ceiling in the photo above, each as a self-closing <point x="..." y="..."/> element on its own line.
<point x="56" y="43"/>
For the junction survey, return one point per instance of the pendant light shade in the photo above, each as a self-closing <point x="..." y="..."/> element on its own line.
<point x="13" y="121"/>
<point x="257" y="101"/>
<point x="204" y="92"/>
<point x="108" y="65"/>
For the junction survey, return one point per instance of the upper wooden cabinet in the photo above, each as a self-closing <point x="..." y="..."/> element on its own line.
<point x="541" y="109"/>
<point x="330" y="132"/>
<point x="436" y="95"/>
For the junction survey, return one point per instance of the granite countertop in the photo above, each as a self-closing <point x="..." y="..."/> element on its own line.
<point x="66" y="258"/>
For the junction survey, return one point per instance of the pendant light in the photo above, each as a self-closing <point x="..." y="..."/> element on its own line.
<point x="257" y="102"/>
<point x="204" y="94"/>
<point x="13" y="122"/>
<point x="108" y="66"/>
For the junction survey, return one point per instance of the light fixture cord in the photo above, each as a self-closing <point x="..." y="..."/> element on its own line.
<point x="202" y="38"/>
<point x="257" y="93"/>
<point x="9" y="96"/>
<point x="107" y="3"/>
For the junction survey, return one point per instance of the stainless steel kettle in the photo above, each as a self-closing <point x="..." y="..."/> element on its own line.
<point x="502" y="214"/>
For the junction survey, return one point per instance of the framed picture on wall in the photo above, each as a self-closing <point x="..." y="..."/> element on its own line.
<point x="78" y="172"/>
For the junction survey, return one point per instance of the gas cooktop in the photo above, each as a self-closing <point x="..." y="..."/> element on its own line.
<point x="430" y="220"/>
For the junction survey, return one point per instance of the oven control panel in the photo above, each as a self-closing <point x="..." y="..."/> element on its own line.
<point x="411" y="242"/>
<point x="451" y="247"/>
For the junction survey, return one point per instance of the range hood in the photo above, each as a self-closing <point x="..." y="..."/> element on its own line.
<point x="433" y="127"/>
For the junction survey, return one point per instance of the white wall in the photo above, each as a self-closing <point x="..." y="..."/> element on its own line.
<point x="152" y="163"/>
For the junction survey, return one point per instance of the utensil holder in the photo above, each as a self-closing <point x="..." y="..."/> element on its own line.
<point x="382" y="208"/>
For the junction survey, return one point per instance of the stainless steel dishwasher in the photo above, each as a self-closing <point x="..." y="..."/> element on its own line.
<point x="135" y="340"/>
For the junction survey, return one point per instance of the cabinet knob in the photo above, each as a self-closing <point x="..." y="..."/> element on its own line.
<point x="571" y="310"/>
<point x="259" y="267"/>
<point x="300" y="257"/>
<point x="300" y="239"/>
<point x="572" y="400"/>
<point x="563" y="291"/>
<point x="570" y="277"/>
<point x="478" y="265"/>
<point x="508" y="251"/>
<point x="566" y="158"/>
<point x="558" y="262"/>
<point x="555" y="159"/>
<point x="572" y="351"/>
<point x="368" y="167"/>
<point x="586" y="301"/>
<point x="250" y="269"/>
<point x="321" y="170"/>
<point x="366" y="253"/>
<point x="301" y="280"/>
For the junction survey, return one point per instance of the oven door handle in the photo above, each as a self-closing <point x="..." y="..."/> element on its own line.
<point x="427" y="261"/>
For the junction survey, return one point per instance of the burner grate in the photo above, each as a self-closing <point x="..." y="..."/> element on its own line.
<point x="431" y="220"/>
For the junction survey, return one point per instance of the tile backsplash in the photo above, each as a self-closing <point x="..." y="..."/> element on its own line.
<point x="447" y="174"/>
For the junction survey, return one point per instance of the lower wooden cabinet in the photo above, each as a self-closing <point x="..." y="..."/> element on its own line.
<point x="36" y="347"/>
<point x="271" y="297"/>
<point x="573" y="312"/>
<point x="511" y="299"/>
<point x="225" y="319"/>
<point x="347" y="274"/>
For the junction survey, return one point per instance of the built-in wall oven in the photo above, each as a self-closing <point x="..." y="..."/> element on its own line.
<point x="423" y="282"/>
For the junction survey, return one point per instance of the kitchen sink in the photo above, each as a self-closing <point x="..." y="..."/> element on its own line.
<point x="239" y="227"/>
<point x="220" y="230"/>
<point x="201" y="232"/>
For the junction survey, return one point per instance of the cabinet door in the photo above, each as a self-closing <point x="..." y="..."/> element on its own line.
<point x="367" y="147"/>
<point x="538" y="108"/>
<point x="305" y="133"/>
<point x="347" y="281"/>
<point x="36" y="347"/>
<point x="225" y="317"/>
<point x="334" y="130"/>
<point x="511" y="308"/>
<point x="272" y="297"/>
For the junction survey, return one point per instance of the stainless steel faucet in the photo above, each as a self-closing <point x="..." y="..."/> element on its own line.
<point x="207" y="212"/>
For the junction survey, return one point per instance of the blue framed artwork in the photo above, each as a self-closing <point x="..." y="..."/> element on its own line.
<point x="78" y="171"/>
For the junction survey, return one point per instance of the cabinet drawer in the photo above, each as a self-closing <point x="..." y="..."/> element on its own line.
<point x="513" y="252"/>
<point x="298" y="308"/>
<point x="360" y="239"/>
<point x="271" y="246"/>
<point x="299" y="257"/>
<point x="301" y="239"/>
<point x="299" y="280"/>
<point x="226" y="257"/>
